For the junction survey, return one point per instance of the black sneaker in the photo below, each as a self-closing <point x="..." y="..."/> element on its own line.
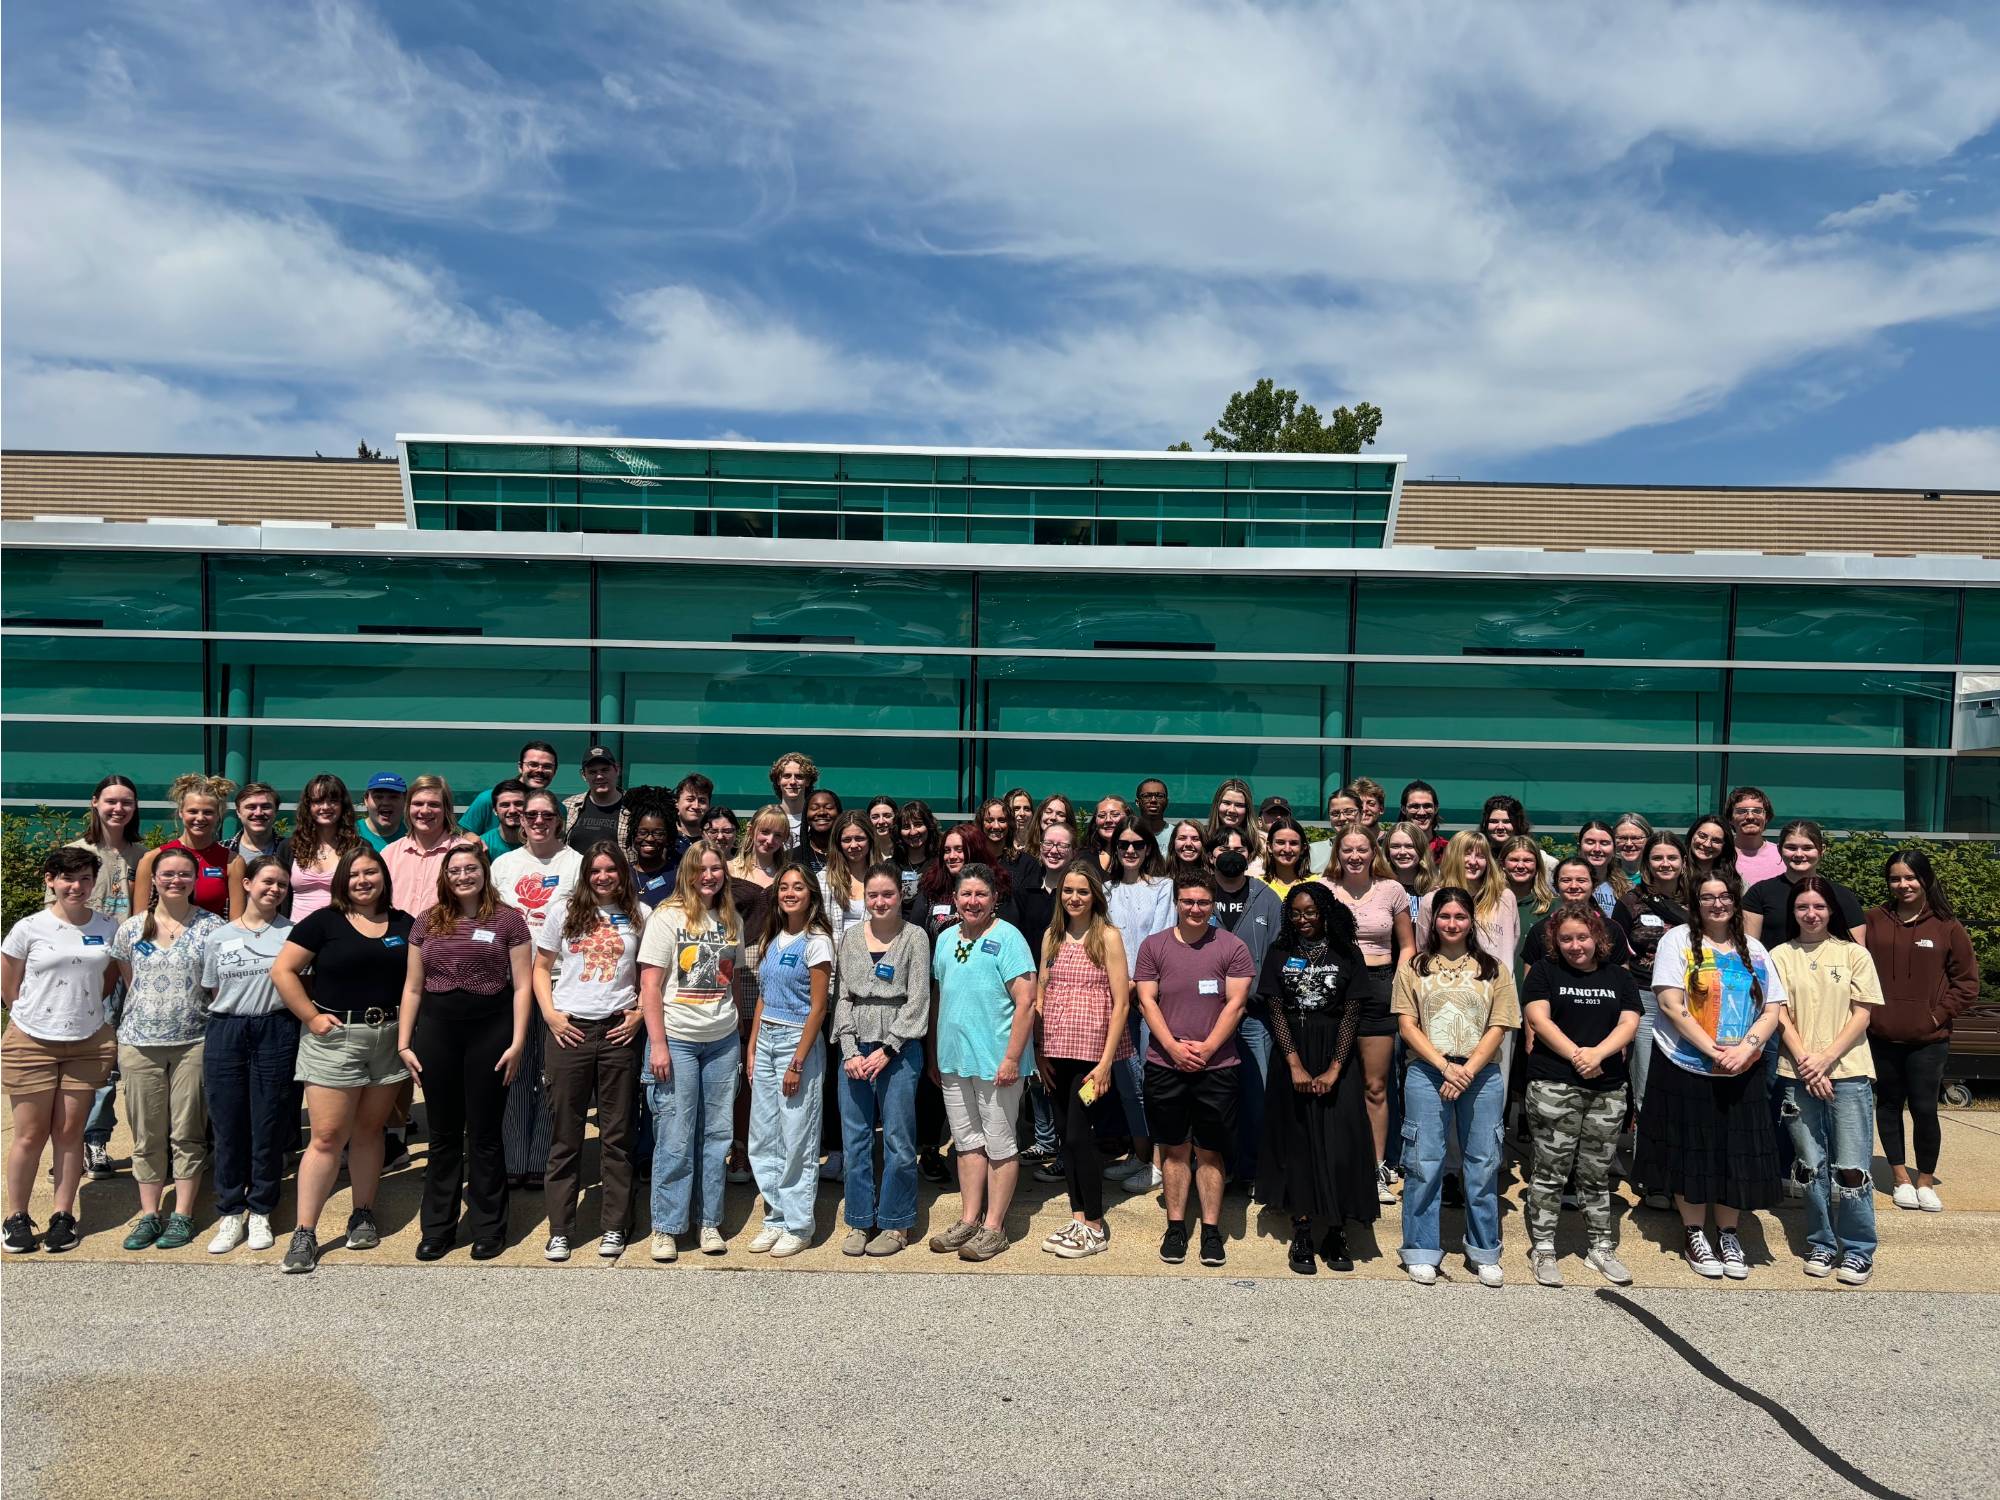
<point x="1300" y="1257"/>
<point x="1333" y="1250"/>
<point x="61" y="1234"/>
<point x="97" y="1161"/>
<point x="1212" y="1252"/>
<point x="17" y="1235"/>
<point x="931" y="1167"/>
<point x="1173" y="1244"/>
<point x="395" y="1153"/>
<point x="362" y="1232"/>
<point x="302" y="1255"/>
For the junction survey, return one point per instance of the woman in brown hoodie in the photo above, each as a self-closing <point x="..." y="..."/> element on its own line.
<point x="1928" y="978"/>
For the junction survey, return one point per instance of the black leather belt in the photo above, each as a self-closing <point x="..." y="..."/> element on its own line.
<point x="373" y="1015"/>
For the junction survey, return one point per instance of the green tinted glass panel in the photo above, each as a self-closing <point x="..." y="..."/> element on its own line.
<point x="1085" y="771"/>
<point x="63" y="762"/>
<point x="428" y="456"/>
<point x="1083" y="697"/>
<point x="1269" y="474"/>
<point x="1974" y="805"/>
<point x="856" y="769"/>
<point x="1122" y="612"/>
<point x="730" y="463"/>
<point x="372" y="595"/>
<point x="394" y="682"/>
<point x="1452" y="617"/>
<point x="1849" y="791"/>
<point x="513" y="458"/>
<point x="784" y="605"/>
<point x="1982" y="628"/>
<point x="1505" y="701"/>
<point x="1810" y="709"/>
<point x="116" y="675"/>
<point x="1560" y="788"/>
<point x="988" y="469"/>
<point x="1846" y="624"/>
<point x="889" y="468"/>
<point x="116" y="591"/>
<point x="783" y="690"/>
<point x="644" y="463"/>
<point x="1163" y="473"/>
<point x="429" y="487"/>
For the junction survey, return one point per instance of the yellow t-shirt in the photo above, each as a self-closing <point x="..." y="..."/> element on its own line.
<point x="1822" y="985"/>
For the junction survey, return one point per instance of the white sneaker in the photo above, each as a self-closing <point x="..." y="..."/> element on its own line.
<point x="768" y="1236"/>
<point x="834" y="1168"/>
<point x="228" y="1233"/>
<point x="787" y="1244"/>
<point x="1064" y="1236"/>
<point x="1490" y="1274"/>
<point x="1425" y="1275"/>
<point x="1153" y="1179"/>
<point x="261" y="1237"/>
<point x="1131" y="1173"/>
<point x="1385" y="1189"/>
<point x="1905" y="1195"/>
<point x="666" y="1248"/>
<point x="1609" y="1266"/>
<point x="557" y="1248"/>
<point x="712" y="1242"/>
<point x="1929" y="1201"/>
<point x="1087" y="1241"/>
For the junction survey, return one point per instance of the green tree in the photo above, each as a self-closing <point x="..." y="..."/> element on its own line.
<point x="1266" y="419"/>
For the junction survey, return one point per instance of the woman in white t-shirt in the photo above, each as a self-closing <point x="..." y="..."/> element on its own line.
<point x="531" y="880"/>
<point x="591" y="1007"/>
<point x="687" y="968"/>
<point x="55" y="975"/>
<point x="249" y="1053"/>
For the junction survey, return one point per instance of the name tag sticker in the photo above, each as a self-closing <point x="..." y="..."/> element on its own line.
<point x="392" y="942"/>
<point x="142" y="946"/>
<point x="991" y="945"/>
<point x="1650" y="920"/>
<point x="788" y="960"/>
<point x="619" y="919"/>
<point x="1210" y="986"/>
<point x="210" y="872"/>
<point x="483" y="935"/>
<point x="93" y="940"/>
<point x="940" y="912"/>
<point x="235" y="947"/>
<point x="885" y="971"/>
<point x="1295" y="966"/>
<point x="550" y="882"/>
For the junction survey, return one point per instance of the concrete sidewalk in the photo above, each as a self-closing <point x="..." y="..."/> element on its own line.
<point x="1957" y="1251"/>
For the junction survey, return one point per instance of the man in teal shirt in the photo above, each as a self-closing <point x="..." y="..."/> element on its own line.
<point x="382" y="805"/>
<point x="536" y="769"/>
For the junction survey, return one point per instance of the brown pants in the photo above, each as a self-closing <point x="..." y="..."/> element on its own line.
<point x="167" y="1108"/>
<point x="608" y="1072"/>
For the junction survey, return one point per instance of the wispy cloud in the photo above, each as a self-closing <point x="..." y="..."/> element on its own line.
<point x="1884" y="206"/>
<point x="1938" y="458"/>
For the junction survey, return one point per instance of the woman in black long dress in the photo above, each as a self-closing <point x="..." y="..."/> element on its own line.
<point x="1318" y="1157"/>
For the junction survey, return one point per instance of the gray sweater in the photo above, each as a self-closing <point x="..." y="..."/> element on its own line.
<point x="870" y="1009"/>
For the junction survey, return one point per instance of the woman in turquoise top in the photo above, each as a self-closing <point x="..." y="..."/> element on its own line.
<point x="794" y="958"/>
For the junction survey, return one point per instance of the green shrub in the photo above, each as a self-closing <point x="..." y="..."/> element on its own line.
<point x="1968" y="870"/>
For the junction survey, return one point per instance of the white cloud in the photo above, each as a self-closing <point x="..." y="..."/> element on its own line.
<point x="1876" y="210"/>
<point x="1938" y="458"/>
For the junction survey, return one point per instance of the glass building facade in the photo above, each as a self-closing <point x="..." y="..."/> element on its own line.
<point x="956" y="669"/>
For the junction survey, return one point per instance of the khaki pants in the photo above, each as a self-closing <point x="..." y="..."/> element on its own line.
<point x="167" y="1109"/>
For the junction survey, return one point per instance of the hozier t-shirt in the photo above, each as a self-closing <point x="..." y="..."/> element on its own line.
<point x="1586" y="1008"/>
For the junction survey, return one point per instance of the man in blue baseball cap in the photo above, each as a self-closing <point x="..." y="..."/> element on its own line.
<point x="383" y="805"/>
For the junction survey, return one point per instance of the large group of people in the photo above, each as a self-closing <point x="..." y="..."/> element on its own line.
<point x="1119" y="1001"/>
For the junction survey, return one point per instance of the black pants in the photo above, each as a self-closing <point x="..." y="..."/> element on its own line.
<point x="930" y="1114"/>
<point x="1078" y="1121"/>
<point x="1909" y="1075"/>
<point x="458" y="1039"/>
<point x="599" y="1069"/>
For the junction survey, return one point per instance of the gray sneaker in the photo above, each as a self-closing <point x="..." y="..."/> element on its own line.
<point x="362" y="1233"/>
<point x="302" y="1255"/>
<point x="1542" y="1261"/>
<point x="953" y="1239"/>
<point x="1606" y="1263"/>
<point x="984" y="1245"/>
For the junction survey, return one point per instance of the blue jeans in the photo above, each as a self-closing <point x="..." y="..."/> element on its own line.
<point x="1473" y="1120"/>
<point x="1831" y="1136"/>
<point x="784" y="1132"/>
<point x="693" y="1113"/>
<point x="1129" y="1076"/>
<point x="1253" y="1045"/>
<point x="525" y="1127"/>
<point x="246" y="1069"/>
<point x="890" y="1098"/>
<point x="1775" y="1089"/>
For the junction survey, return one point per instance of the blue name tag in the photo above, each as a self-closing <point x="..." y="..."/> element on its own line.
<point x="788" y="960"/>
<point x="392" y="942"/>
<point x="209" y="872"/>
<point x="991" y="945"/>
<point x="882" y="971"/>
<point x="550" y="882"/>
<point x="1295" y="966"/>
<point x="142" y="946"/>
<point x="619" y="919"/>
<point x="93" y="940"/>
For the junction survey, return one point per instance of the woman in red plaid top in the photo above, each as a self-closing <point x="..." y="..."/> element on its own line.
<point x="1081" y="994"/>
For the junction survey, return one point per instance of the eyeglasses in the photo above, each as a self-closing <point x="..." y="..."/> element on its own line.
<point x="1722" y="900"/>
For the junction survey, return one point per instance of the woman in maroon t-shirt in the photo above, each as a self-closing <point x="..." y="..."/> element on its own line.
<point x="463" y="1027"/>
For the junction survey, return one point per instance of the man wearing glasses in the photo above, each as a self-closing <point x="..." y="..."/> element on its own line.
<point x="1193" y="981"/>
<point x="535" y="769"/>
<point x="1420" y="806"/>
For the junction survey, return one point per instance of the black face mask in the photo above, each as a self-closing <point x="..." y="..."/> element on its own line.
<point x="1232" y="864"/>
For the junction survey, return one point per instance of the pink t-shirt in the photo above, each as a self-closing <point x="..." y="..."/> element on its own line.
<point x="311" y="890"/>
<point x="1375" y="917"/>
<point x="1765" y="864"/>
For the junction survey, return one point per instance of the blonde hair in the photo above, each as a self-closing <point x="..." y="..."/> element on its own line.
<point x="443" y="788"/>
<point x="687" y="894"/>
<point x="1093" y="936"/>
<point x="1427" y="870"/>
<point x="218" y="789"/>
<point x="1541" y="897"/>
<point x="770" y="815"/>
<point x="1378" y="867"/>
<point x="1486" y="893"/>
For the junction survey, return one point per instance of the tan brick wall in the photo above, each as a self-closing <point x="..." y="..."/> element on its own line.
<point x="136" y="487"/>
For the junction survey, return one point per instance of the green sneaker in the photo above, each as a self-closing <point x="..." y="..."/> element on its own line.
<point x="179" y="1233"/>
<point x="146" y="1231"/>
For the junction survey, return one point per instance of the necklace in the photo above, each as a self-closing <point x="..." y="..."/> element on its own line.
<point x="962" y="951"/>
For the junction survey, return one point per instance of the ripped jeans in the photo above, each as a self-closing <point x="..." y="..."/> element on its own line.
<point x="1834" y="1139"/>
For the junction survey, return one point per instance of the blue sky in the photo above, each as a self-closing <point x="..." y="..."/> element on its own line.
<point x="1742" y="242"/>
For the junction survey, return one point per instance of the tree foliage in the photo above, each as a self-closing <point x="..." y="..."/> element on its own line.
<point x="1267" y="419"/>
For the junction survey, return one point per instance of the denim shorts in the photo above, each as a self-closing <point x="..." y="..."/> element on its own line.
<point x="350" y="1057"/>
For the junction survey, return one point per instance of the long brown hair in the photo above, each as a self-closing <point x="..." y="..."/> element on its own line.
<point x="305" y="832"/>
<point x="442" y="919"/>
<point x="580" y="915"/>
<point x="151" y="927"/>
<point x="343" y="873"/>
<point x="774" y="919"/>
<point x="93" y="826"/>
<point x="1100" y="913"/>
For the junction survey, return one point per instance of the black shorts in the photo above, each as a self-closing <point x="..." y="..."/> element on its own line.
<point x="1200" y="1104"/>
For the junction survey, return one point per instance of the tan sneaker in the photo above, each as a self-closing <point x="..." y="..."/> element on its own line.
<point x="984" y="1245"/>
<point x="954" y="1238"/>
<point x="888" y="1242"/>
